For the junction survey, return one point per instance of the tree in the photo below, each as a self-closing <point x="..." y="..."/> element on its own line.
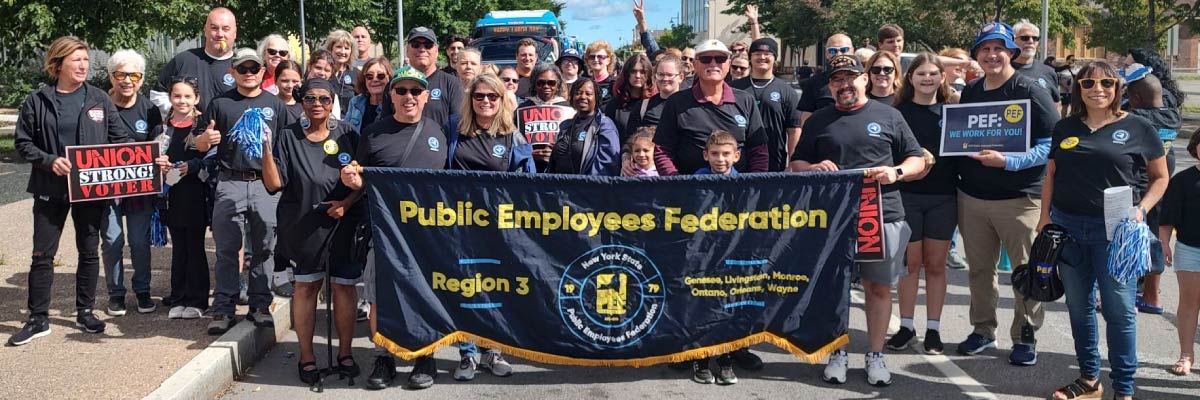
<point x="1124" y="24"/>
<point x="679" y="37"/>
<point x="797" y="23"/>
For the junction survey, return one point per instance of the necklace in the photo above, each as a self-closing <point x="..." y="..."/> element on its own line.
<point x="764" y="86"/>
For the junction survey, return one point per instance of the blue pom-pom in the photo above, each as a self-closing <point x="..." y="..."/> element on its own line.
<point x="1129" y="251"/>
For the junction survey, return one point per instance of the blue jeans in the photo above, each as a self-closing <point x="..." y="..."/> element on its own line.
<point x="1084" y="268"/>
<point x="469" y="349"/>
<point x="112" y="246"/>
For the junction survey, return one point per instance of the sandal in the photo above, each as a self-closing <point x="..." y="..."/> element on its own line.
<point x="1183" y="367"/>
<point x="352" y="369"/>
<point x="309" y="376"/>
<point x="1080" y="389"/>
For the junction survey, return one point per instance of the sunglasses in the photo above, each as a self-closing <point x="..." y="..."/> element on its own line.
<point x="416" y="44"/>
<point x="244" y="70"/>
<point x="550" y="83"/>
<point x="1029" y="38"/>
<point x="597" y="57"/>
<point x="686" y="58"/>
<point x="273" y="52"/>
<point x="373" y="77"/>
<point x="403" y="91"/>
<point x="310" y="100"/>
<point x="738" y="50"/>
<point x="883" y="70"/>
<point x="488" y="96"/>
<point x="134" y="77"/>
<point x="738" y="68"/>
<point x="510" y="80"/>
<point x="713" y="59"/>
<point x="833" y="51"/>
<point x="1088" y="83"/>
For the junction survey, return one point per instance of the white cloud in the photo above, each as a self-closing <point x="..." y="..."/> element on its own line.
<point x="591" y="10"/>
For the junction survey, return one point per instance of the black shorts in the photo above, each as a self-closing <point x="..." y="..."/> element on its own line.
<point x="930" y="216"/>
<point x="344" y="269"/>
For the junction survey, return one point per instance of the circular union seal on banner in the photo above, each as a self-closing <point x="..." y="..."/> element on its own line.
<point x="611" y="296"/>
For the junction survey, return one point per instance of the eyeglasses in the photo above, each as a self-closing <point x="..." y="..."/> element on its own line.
<point x="661" y="75"/>
<point x="506" y="79"/>
<point x="403" y="91"/>
<point x="883" y="70"/>
<point x="686" y="58"/>
<point x="713" y="59"/>
<point x="489" y="96"/>
<point x="416" y="44"/>
<point x="833" y="51"/>
<point x="597" y="56"/>
<point x="273" y="52"/>
<point x="310" y="100"/>
<point x="244" y="70"/>
<point x="544" y="82"/>
<point x="372" y="77"/>
<point x="1029" y="38"/>
<point x="738" y="68"/>
<point x="134" y="77"/>
<point x="1088" y="83"/>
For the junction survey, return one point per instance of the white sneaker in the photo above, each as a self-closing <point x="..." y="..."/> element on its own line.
<point x="495" y="362"/>
<point x="175" y="312"/>
<point x="191" y="313"/>
<point x="835" y="371"/>
<point x="877" y="372"/>
<point x="466" y="369"/>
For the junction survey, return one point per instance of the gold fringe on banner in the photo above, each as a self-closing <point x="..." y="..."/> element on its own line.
<point x="708" y="351"/>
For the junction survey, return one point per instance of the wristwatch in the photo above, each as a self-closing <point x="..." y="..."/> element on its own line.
<point x="899" y="172"/>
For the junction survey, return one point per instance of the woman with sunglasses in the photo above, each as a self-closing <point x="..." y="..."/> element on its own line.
<point x="547" y="87"/>
<point x="273" y="49"/>
<point x="143" y="120"/>
<point x="1096" y="148"/>
<point x="626" y="109"/>
<point x="739" y="66"/>
<point x="287" y="83"/>
<point x="317" y="216"/>
<point x="587" y="144"/>
<point x="366" y="107"/>
<point x="884" y="70"/>
<point x="599" y="60"/>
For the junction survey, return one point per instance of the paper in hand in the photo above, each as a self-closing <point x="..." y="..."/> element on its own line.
<point x="1117" y="201"/>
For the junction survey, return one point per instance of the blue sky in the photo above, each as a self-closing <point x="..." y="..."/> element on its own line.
<point x="613" y="19"/>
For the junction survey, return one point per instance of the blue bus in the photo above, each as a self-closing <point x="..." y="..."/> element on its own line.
<point x="497" y="33"/>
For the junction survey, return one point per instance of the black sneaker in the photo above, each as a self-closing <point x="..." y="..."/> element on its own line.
<point x="933" y="342"/>
<point x="261" y="318"/>
<point x="88" y="322"/>
<point x="145" y="303"/>
<point x="116" y="306"/>
<point x="902" y="339"/>
<point x="725" y="374"/>
<point x="383" y="373"/>
<point x="221" y="324"/>
<point x="747" y="360"/>
<point x="701" y="373"/>
<point x="35" y="328"/>
<point x="423" y="373"/>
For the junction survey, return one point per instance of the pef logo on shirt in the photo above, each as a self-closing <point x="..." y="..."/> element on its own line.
<point x="873" y="129"/>
<point x="140" y="126"/>
<point x="268" y="113"/>
<point x="435" y="94"/>
<point x="228" y="79"/>
<point x="434" y="145"/>
<point x="346" y="79"/>
<point x="1042" y="81"/>
<point x="775" y="96"/>
<point x="1120" y="136"/>
<point x="498" y="150"/>
<point x="741" y="121"/>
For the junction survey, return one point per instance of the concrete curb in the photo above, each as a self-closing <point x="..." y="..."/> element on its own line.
<point x="228" y="358"/>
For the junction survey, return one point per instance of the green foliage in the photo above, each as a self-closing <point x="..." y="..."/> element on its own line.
<point x="1124" y="24"/>
<point x="798" y="23"/>
<point x="17" y="81"/>
<point x="678" y="36"/>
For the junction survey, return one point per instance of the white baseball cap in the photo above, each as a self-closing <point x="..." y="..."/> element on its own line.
<point x="711" y="45"/>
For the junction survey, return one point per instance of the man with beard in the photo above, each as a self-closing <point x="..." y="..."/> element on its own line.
<point x="861" y="133"/>
<point x="454" y="46"/>
<point x="775" y="99"/>
<point x="209" y="64"/>
<point x="1028" y="38"/>
<point x="814" y="95"/>
<point x="445" y="91"/>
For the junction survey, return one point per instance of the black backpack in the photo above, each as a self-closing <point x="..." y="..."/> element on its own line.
<point x="1038" y="279"/>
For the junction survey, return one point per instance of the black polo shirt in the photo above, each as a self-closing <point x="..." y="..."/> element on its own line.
<point x="653" y="111"/>
<point x="212" y="75"/>
<point x="688" y="120"/>
<point x="1042" y="74"/>
<point x="926" y="125"/>
<point x="871" y="136"/>
<point x="988" y="183"/>
<point x="815" y="94"/>
<point x="1087" y="162"/>
<point x="1179" y="206"/>
<point x="229" y="108"/>
<point x="143" y="119"/>
<point x="382" y="144"/>
<point x="483" y="152"/>
<point x="776" y="102"/>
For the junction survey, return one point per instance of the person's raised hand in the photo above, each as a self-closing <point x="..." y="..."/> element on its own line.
<point x="639" y="11"/>
<point x="752" y="13"/>
<point x="209" y="138"/>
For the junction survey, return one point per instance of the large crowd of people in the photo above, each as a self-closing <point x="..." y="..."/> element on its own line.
<point x="263" y="151"/>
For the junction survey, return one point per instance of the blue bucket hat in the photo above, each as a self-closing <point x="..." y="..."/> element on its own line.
<point x="995" y="30"/>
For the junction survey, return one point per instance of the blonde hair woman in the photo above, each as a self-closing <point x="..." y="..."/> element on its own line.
<point x="341" y="45"/>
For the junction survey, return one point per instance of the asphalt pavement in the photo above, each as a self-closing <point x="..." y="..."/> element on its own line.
<point x="915" y="375"/>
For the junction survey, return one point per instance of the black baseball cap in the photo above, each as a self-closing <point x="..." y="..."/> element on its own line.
<point x="845" y="62"/>
<point x="423" y="33"/>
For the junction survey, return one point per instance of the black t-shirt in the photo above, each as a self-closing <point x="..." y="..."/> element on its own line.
<point x="142" y="119"/>
<point x="370" y="113"/>
<point x="212" y="75"/>
<point x="1179" y="206"/>
<point x="604" y="90"/>
<point x="295" y="111"/>
<point x="483" y="152"/>
<point x="1042" y="74"/>
<point x="887" y="100"/>
<point x="776" y="102"/>
<point x="524" y="86"/>
<point x="1087" y="162"/>
<point x="926" y="125"/>
<point x="343" y="87"/>
<point x="311" y="174"/>
<point x="687" y="123"/>
<point x="626" y="116"/>
<point x="815" y="94"/>
<point x="873" y="135"/>
<point x="449" y="69"/>
<point x="382" y="144"/>
<point x="445" y="97"/>
<point x="653" y="112"/>
<point x="987" y="183"/>
<point x="69" y="108"/>
<point x="227" y="110"/>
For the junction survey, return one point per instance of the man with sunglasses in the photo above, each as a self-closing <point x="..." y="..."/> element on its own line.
<point x="999" y="199"/>
<point x="1026" y="63"/>
<point x="209" y="64"/>
<point x="408" y="138"/>
<point x="689" y="67"/>
<point x="445" y="92"/>
<point x="233" y="130"/>
<point x="691" y="115"/>
<point x="814" y="94"/>
<point x="776" y="101"/>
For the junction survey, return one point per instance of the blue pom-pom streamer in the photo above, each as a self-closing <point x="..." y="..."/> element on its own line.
<point x="158" y="232"/>
<point x="249" y="131"/>
<point x="1129" y="251"/>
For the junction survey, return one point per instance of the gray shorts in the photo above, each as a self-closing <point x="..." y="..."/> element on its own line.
<point x="891" y="269"/>
<point x="930" y="216"/>
<point x="368" y="277"/>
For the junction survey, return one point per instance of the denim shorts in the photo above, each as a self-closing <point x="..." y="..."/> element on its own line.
<point x="1187" y="258"/>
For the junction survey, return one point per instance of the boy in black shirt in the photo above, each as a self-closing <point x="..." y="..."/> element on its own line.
<point x="776" y="102"/>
